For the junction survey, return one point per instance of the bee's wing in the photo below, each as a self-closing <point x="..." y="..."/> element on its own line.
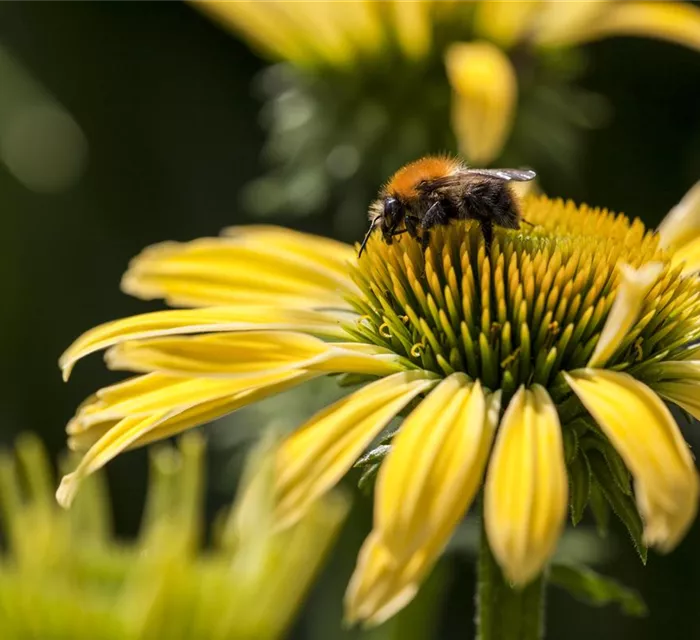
<point x="519" y="175"/>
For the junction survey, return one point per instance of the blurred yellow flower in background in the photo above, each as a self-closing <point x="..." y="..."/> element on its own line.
<point x="64" y="575"/>
<point x="575" y="327"/>
<point x="375" y="84"/>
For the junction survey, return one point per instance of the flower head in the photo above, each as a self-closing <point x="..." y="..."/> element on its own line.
<point x="360" y="88"/>
<point x="64" y="575"/>
<point x="519" y="369"/>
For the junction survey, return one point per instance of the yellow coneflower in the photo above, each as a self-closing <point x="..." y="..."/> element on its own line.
<point x="63" y="574"/>
<point x="514" y="368"/>
<point x="474" y="40"/>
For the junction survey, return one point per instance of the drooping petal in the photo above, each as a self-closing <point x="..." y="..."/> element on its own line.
<point x="677" y="370"/>
<point x="209" y="320"/>
<point x="686" y="394"/>
<point x="247" y="354"/>
<point x="157" y="392"/>
<point x="642" y="429"/>
<point x="633" y="288"/>
<point x="424" y="487"/>
<point x="484" y="96"/>
<point x="560" y="24"/>
<point x="682" y="223"/>
<point x="435" y="466"/>
<point x="83" y="435"/>
<point x="128" y="425"/>
<point x="380" y="587"/>
<point x="526" y="492"/>
<point x="505" y="22"/>
<point x="677" y="22"/>
<point x="319" y="453"/>
<point x="260" y="266"/>
<point x="412" y="27"/>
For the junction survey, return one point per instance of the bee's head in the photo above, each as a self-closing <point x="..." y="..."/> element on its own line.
<point x="392" y="216"/>
<point x="385" y="214"/>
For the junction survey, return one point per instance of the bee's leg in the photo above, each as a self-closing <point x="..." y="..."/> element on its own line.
<point x="425" y="240"/>
<point x="411" y="223"/>
<point x="434" y="215"/>
<point x="487" y="231"/>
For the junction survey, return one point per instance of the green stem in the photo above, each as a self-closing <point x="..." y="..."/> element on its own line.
<point x="504" y="613"/>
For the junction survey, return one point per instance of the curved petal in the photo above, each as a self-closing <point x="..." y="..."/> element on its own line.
<point x="209" y="320"/>
<point x="484" y="96"/>
<point x="642" y="429"/>
<point x="682" y="223"/>
<point x="424" y="487"/>
<point x="559" y="24"/>
<point x="316" y="456"/>
<point x="686" y="394"/>
<point x="505" y="23"/>
<point x="380" y="587"/>
<point x="526" y="492"/>
<point x="257" y="265"/>
<point x="677" y="22"/>
<point x="633" y="288"/>
<point x="248" y="354"/>
<point x="434" y="467"/>
<point x="412" y="27"/>
<point x="85" y="433"/>
<point x="129" y="425"/>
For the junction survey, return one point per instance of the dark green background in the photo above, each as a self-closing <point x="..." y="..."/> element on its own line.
<point x="164" y="99"/>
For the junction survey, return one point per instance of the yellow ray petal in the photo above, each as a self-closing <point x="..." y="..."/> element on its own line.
<point x="252" y="21"/>
<point x="484" y="97"/>
<point x="682" y="370"/>
<point x="247" y="354"/>
<point x="633" y="288"/>
<point x="240" y="270"/>
<point x="413" y="27"/>
<point x="559" y="24"/>
<point x="435" y="466"/>
<point x="682" y="223"/>
<point x="380" y="587"/>
<point x="505" y="22"/>
<point x="642" y="429"/>
<point x="686" y="394"/>
<point x="170" y="393"/>
<point x="526" y="490"/>
<point x="319" y="453"/>
<point x="186" y="321"/>
<point x="423" y="490"/>
<point x="112" y="443"/>
<point x="83" y="437"/>
<point x="677" y="22"/>
<point x="330" y="254"/>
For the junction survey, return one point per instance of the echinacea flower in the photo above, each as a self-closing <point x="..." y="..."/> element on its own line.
<point x="63" y="574"/>
<point x="519" y="370"/>
<point x="362" y="87"/>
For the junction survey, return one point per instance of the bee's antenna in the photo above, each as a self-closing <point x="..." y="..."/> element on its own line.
<point x="366" y="238"/>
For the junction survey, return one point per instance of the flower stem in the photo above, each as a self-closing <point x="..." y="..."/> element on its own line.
<point x="504" y="613"/>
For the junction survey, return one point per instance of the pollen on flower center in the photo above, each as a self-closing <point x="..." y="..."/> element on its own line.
<point x="533" y="307"/>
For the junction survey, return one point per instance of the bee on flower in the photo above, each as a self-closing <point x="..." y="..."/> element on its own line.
<point x="535" y="372"/>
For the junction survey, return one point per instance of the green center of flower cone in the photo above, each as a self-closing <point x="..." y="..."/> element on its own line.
<point x="531" y="308"/>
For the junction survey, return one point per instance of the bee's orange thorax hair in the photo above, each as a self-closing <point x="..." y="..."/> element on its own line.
<point x="403" y="182"/>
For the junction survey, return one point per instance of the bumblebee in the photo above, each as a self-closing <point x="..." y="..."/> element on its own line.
<point x="435" y="190"/>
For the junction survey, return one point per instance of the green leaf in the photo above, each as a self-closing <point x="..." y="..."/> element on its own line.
<point x="368" y="478"/>
<point x="374" y="456"/>
<point x="571" y="446"/>
<point x="622" y="504"/>
<point x="580" y="487"/>
<point x="617" y="467"/>
<point x="596" y="590"/>
<point x="600" y="509"/>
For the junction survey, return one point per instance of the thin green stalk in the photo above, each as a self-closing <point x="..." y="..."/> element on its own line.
<point x="504" y="613"/>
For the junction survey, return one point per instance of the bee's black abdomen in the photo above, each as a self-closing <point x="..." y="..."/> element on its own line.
<point x="491" y="200"/>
